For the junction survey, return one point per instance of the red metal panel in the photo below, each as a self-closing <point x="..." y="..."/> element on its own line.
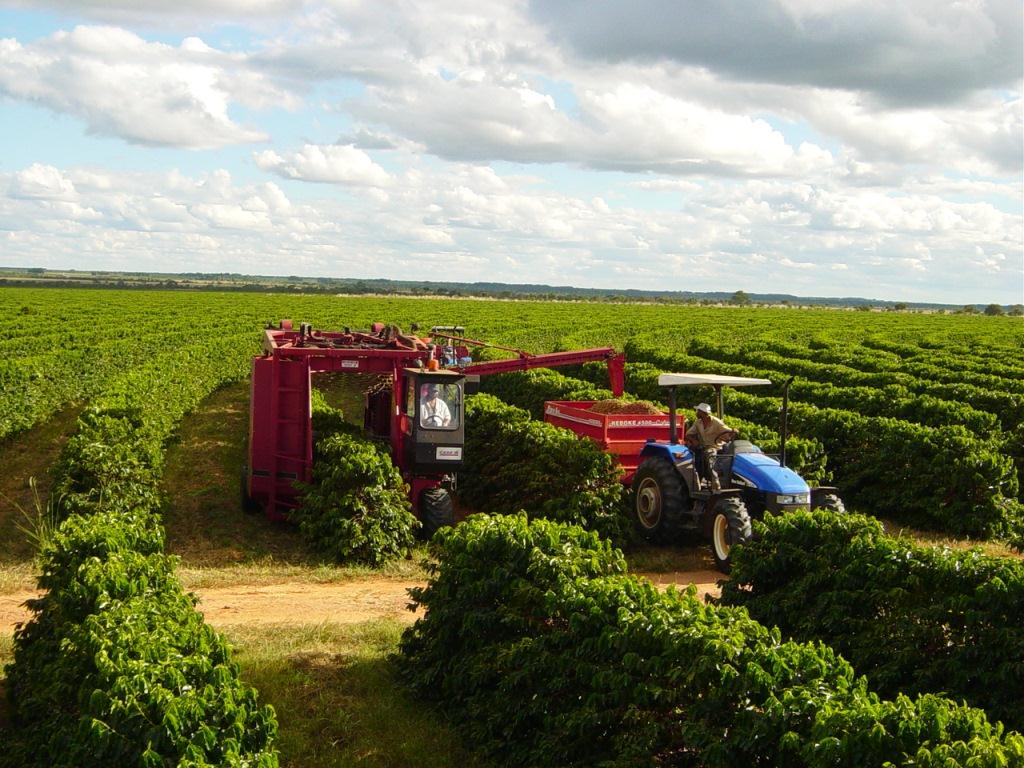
<point x="623" y="435"/>
<point x="293" y="454"/>
<point x="280" y="432"/>
<point x="261" y="432"/>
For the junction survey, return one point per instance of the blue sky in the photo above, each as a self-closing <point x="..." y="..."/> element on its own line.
<point x="853" y="148"/>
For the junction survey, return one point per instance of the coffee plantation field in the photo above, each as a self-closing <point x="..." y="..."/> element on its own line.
<point x="917" y="418"/>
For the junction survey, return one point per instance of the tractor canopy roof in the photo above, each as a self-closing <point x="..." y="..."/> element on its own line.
<point x="694" y="379"/>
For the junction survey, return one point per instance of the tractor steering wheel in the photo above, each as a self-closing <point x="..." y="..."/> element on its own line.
<point x="434" y="420"/>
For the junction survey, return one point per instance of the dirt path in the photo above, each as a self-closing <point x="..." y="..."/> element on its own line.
<point x="299" y="603"/>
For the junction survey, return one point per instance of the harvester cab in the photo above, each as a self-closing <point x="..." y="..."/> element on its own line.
<point x="434" y="420"/>
<point x="670" y="495"/>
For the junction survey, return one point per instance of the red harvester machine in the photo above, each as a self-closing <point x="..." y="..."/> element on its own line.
<point x="426" y="439"/>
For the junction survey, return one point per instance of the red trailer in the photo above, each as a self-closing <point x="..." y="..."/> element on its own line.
<point x="426" y="441"/>
<point x="623" y="435"/>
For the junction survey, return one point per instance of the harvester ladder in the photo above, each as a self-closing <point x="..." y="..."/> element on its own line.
<point x="289" y="415"/>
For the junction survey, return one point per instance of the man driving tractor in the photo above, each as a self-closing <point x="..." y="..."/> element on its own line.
<point x="705" y="437"/>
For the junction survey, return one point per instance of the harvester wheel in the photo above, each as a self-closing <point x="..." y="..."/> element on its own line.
<point x="658" y="500"/>
<point x="436" y="511"/>
<point x="730" y="525"/>
<point x="831" y="503"/>
<point x="249" y="504"/>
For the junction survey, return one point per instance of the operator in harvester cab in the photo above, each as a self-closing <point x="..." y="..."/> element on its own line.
<point x="705" y="437"/>
<point x="433" y="410"/>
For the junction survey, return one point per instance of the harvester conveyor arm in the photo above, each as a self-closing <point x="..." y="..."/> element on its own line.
<point x="614" y="359"/>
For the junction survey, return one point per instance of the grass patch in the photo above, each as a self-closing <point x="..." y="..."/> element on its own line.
<point x="203" y="514"/>
<point x="27" y="457"/>
<point x="691" y="555"/>
<point x="17" y="577"/>
<point x="939" y="539"/>
<point x="269" y="571"/>
<point x="339" y="701"/>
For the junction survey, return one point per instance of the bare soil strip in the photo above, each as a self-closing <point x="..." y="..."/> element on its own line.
<point x="302" y="603"/>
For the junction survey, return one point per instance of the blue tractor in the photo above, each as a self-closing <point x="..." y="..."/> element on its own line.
<point x="672" y="493"/>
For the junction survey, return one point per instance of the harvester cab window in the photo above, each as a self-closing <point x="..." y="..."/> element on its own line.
<point x="410" y="400"/>
<point x="439" y="406"/>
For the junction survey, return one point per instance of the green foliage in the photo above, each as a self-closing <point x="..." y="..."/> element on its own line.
<point x="874" y="389"/>
<point x="942" y="479"/>
<point x="108" y="463"/>
<point x="116" y="667"/>
<point x="547" y="656"/>
<point x="357" y="508"/>
<point x="529" y="389"/>
<point x="914" y="619"/>
<point x="514" y="462"/>
<point x="328" y="420"/>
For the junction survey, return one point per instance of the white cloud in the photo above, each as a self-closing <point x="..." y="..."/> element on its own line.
<point x="335" y="164"/>
<point x="147" y="93"/>
<point x="649" y="130"/>
<point x="466" y="222"/>
<point x="43" y="182"/>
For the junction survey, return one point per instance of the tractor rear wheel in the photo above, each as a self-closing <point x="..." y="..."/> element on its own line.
<point x="831" y="503"/>
<point x="658" y="500"/>
<point x="436" y="511"/>
<point x="730" y="525"/>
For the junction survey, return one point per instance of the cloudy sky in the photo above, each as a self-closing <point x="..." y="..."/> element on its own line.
<point x="841" y="148"/>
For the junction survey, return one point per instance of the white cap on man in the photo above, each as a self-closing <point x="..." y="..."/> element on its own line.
<point x="704" y="407"/>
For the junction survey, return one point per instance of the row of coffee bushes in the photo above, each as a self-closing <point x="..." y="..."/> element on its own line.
<point x="529" y="389"/>
<point x="514" y="462"/>
<point x="805" y="456"/>
<point x="826" y="385"/>
<point x="546" y="655"/>
<point x="914" y="377"/>
<point x="991" y="367"/>
<point x="357" y="508"/>
<point x="35" y="385"/>
<point x="946" y="479"/>
<point x="116" y="667"/>
<point x="912" y="618"/>
<point x="942" y="381"/>
<point x="936" y="394"/>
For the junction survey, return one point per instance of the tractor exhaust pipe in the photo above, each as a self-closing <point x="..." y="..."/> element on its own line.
<point x="784" y="421"/>
<point x="673" y="439"/>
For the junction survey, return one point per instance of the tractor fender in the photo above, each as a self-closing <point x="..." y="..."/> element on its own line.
<point x="679" y="456"/>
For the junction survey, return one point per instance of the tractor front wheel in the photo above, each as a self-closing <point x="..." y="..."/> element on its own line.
<point x="831" y="503"/>
<point x="730" y="525"/>
<point x="436" y="511"/>
<point x="658" y="500"/>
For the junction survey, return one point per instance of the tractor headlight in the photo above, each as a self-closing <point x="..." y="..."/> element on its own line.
<point x="786" y="500"/>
